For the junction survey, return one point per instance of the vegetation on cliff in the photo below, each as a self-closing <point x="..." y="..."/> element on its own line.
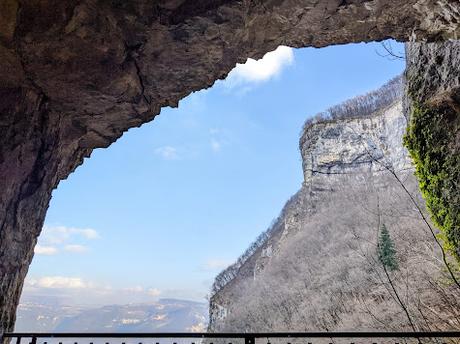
<point x="364" y="105"/>
<point x="229" y="273"/>
<point x="430" y="142"/>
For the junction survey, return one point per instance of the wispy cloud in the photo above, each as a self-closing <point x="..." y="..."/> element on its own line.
<point x="88" y="233"/>
<point x="54" y="235"/>
<point x="45" y="250"/>
<point x="167" y="152"/>
<point x="74" y="289"/>
<point x="55" y="239"/>
<point x="256" y="71"/>
<point x="57" y="282"/>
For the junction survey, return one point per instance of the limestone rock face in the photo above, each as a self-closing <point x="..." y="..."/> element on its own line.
<point x="354" y="145"/>
<point x="317" y="269"/>
<point x="74" y="75"/>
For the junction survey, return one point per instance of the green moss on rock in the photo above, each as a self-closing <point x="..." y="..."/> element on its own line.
<point x="432" y="142"/>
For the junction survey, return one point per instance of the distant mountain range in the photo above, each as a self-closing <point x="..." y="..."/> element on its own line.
<point x="165" y="315"/>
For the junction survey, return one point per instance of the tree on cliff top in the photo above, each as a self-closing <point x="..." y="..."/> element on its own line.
<point x="361" y="106"/>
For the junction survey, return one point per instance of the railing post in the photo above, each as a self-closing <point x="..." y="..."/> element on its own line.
<point x="249" y="339"/>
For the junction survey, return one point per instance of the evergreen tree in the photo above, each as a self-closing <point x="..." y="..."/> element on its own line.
<point x="386" y="250"/>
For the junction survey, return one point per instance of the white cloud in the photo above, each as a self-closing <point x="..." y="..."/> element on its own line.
<point x="269" y="66"/>
<point x="53" y="235"/>
<point x="58" y="282"/>
<point x="55" y="239"/>
<point x="75" y="248"/>
<point x="74" y="289"/>
<point x="216" y="264"/>
<point x="62" y="282"/>
<point x="167" y="152"/>
<point x="45" y="250"/>
<point x="88" y="233"/>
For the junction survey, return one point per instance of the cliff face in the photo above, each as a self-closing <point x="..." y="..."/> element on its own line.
<point x="433" y="106"/>
<point x="353" y="146"/>
<point x="317" y="268"/>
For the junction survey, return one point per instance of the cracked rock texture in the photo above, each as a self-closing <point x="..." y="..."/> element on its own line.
<point x="74" y="75"/>
<point x="432" y="72"/>
<point x="351" y="145"/>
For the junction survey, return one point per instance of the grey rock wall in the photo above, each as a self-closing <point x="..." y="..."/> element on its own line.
<point x="354" y="145"/>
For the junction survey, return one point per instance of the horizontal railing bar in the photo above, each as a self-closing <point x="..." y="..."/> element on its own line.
<point x="435" y="334"/>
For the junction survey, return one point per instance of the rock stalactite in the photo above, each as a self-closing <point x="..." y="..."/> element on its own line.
<point x="74" y="75"/>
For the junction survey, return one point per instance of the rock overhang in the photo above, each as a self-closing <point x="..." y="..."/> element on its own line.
<point x="76" y="74"/>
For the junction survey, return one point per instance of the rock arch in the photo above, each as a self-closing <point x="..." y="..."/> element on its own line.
<point x="76" y="74"/>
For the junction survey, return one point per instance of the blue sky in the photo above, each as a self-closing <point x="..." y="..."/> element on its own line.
<point x="165" y="208"/>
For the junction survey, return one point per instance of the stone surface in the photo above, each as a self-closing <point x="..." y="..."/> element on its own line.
<point x="433" y="107"/>
<point x="432" y="72"/>
<point x="351" y="146"/>
<point x="74" y="75"/>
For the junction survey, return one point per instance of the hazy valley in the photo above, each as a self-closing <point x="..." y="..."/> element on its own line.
<point x="165" y="315"/>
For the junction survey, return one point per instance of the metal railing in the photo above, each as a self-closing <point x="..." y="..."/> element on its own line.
<point x="227" y="338"/>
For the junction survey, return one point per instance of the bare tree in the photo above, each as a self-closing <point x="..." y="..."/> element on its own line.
<point x="361" y="106"/>
<point x="389" y="52"/>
